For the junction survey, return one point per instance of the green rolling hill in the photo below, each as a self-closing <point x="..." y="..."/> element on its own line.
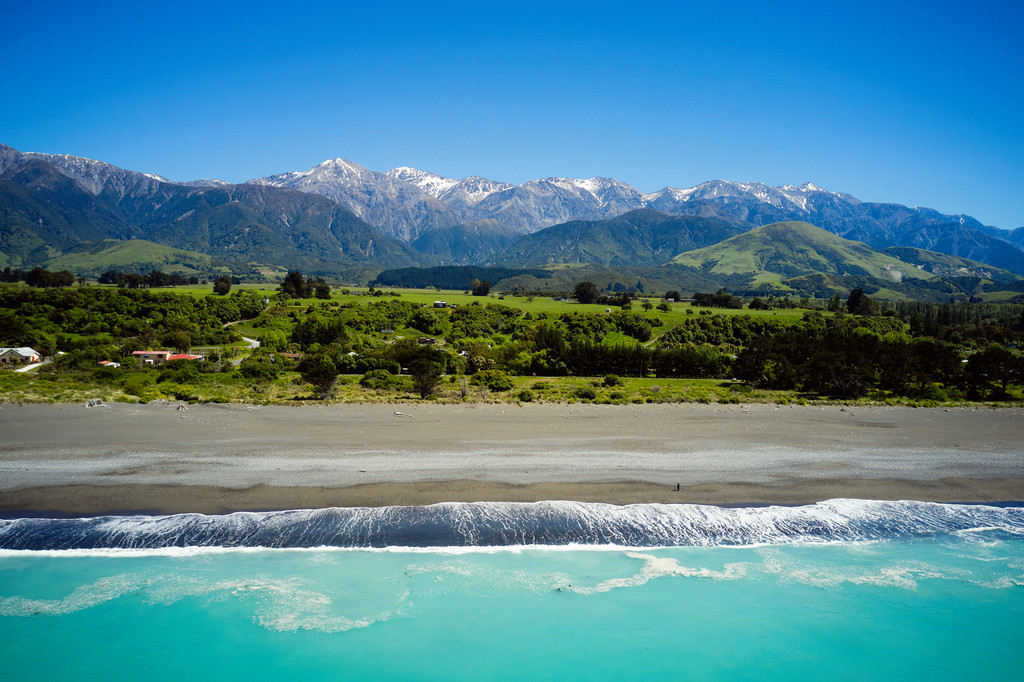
<point x="776" y="252"/>
<point x="639" y="238"/>
<point x="136" y="255"/>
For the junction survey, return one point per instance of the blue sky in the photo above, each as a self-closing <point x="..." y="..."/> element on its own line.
<point x="914" y="103"/>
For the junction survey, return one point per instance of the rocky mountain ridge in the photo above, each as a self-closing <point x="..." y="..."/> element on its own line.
<point x="408" y="204"/>
<point x="54" y="205"/>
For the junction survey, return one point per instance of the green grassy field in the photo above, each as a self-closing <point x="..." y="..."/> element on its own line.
<point x="544" y="304"/>
<point x="289" y="389"/>
<point x="532" y="304"/>
<point x="120" y="254"/>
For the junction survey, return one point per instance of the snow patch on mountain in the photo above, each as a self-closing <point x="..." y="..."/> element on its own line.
<point x="468" y="191"/>
<point x="398" y="208"/>
<point x="206" y="182"/>
<point x="431" y="183"/>
<point x="93" y="176"/>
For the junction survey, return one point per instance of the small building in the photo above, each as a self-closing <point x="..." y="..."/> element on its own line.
<point x="426" y="341"/>
<point x="109" y="363"/>
<point x="18" y="356"/>
<point x="151" y="357"/>
<point x="184" y="356"/>
<point x="440" y="304"/>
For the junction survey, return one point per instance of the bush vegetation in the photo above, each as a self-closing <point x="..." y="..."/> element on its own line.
<point x="393" y="347"/>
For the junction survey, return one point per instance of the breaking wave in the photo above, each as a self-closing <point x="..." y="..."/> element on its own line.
<point x="505" y="524"/>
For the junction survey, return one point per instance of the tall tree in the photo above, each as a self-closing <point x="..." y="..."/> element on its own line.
<point x="586" y="292"/>
<point x="296" y="286"/>
<point x="321" y="289"/>
<point x="222" y="286"/>
<point x="426" y="375"/>
<point x="860" y="303"/>
<point x="320" y="371"/>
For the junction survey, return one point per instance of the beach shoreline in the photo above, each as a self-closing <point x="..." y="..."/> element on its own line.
<point x="72" y="460"/>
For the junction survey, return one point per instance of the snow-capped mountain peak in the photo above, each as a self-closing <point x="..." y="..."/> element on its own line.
<point x="93" y="175"/>
<point x="327" y="173"/>
<point x="478" y="188"/>
<point x="337" y="168"/>
<point x="468" y="191"/>
<point x="399" y="208"/>
<point x="431" y="183"/>
<point x="206" y="182"/>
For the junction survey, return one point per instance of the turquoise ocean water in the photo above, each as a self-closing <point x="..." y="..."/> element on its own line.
<point x="840" y="590"/>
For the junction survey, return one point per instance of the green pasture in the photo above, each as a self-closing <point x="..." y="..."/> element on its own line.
<point x="531" y="304"/>
<point x="544" y="304"/>
<point x="289" y="389"/>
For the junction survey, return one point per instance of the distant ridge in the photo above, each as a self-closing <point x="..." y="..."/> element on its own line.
<point x="771" y="253"/>
<point x="795" y="257"/>
<point x="407" y="203"/>
<point x="53" y="205"/>
<point x="641" y="237"/>
<point x="466" y="243"/>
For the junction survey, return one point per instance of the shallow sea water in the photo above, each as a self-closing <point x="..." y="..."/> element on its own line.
<point x="943" y="604"/>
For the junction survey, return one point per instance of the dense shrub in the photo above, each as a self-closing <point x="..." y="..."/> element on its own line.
<point x="378" y="379"/>
<point x="493" y="379"/>
<point x="259" y="367"/>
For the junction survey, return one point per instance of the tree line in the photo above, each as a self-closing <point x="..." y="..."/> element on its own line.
<point x="970" y="354"/>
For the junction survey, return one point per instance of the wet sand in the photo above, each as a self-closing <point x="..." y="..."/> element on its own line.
<point x="215" y="458"/>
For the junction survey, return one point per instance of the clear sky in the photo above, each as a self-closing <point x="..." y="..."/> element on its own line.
<point x="914" y="103"/>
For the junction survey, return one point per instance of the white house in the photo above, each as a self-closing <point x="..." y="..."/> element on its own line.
<point x="17" y="356"/>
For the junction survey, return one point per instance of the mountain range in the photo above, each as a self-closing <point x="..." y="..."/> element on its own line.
<point x="52" y="205"/>
<point x="340" y="217"/>
<point x="405" y="202"/>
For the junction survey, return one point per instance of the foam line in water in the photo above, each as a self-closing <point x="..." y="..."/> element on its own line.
<point x="506" y="524"/>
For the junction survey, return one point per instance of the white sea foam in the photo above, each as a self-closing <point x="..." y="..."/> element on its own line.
<point x="283" y="604"/>
<point x="661" y="567"/>
<point x="521" y="524"/>
<point x="83" y="597"/>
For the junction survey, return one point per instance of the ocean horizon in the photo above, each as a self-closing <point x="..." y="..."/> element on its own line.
<point x="843" y="589"/>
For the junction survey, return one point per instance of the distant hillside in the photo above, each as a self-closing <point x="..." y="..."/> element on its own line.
<point x="46" y="212"/>
<point x="798" y="258"/>
<point x="640" y="238"/>
<point x="136" y="255"/>
<point x="449" y="276"/>
<point x="650" y="281"/>
<point x="781" y="250"/>
<point x="473" y="243"/>
<point x="950" y="266"/>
